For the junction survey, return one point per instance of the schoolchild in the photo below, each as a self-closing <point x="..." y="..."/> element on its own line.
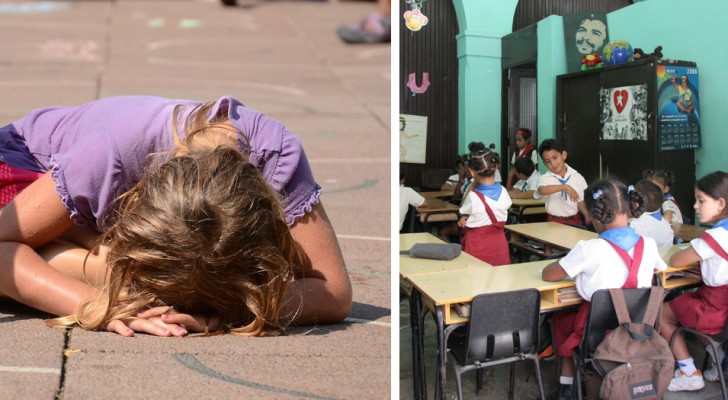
<point x="484" y="212"/>
<point x="407" y="197"/>
<point x="201" y="216"/>
<point x="706" y="309"/>
<point x="562" y="187"/>
<point x="524" y="149"/>
<point x="618" y="258"/>
<point x="528" y="177"/>
<point x="651" y="223"/>
<point x="670" y="209"/>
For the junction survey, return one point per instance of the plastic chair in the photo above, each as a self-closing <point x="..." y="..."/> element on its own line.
<point x="433" y="179"/>
<point x="602" y="318"/>
<point x="503" y="329"/>
<point x="715" y="341"/>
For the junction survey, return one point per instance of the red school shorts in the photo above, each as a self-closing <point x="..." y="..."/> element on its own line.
<point x="13" y="181"/>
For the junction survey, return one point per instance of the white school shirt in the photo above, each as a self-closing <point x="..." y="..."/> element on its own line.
<point x="647" y="225"/>
<point x="556" y="205"/>
<point x="477" y="216"/>
<point x="497" y="176"/>
<point x="453" y="180"/>
<point x="530" y="184"/>
<point x="713" y="267"/>
<point x="596" y="265"/>
<point x="670" y="205"/>
<point x="407" y="197"/>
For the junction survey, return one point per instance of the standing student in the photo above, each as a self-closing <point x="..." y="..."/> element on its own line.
<point x="670" y="209"/>
<point x="407" y="197"/>
<point x="484" y="212"/>
<point x="651" y="223"/>
<point x="209" y="208"/>
<point x="618" y="258"/>
<point x="706" y="309"/>
<point x="524" y="149"/>
<point x="562" y="187"/>
<point x="528" y="177"/>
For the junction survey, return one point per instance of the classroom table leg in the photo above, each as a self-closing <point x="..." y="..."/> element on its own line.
<point x="441" y="353"/>
<point x="418" y="365"/>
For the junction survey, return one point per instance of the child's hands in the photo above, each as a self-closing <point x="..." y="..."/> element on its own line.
<point x="461" y="222"/>
<point x="571" y="192"/>
<point x="150" y="322"/>
<point x="171" y="317"/>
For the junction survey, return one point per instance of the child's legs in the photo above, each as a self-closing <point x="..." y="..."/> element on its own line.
<point x="668" y="325"/>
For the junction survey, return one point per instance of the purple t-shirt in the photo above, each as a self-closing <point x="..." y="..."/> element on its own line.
<point x="99" y="150"/>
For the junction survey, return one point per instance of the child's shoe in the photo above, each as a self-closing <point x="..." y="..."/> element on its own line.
<point x="562" y="392"/>
<point x="682" y="382"/>
<point x="711" y="374"/>
<point x="374" y="28"/>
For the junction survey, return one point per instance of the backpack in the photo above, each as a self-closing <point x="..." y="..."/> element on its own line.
<point x="633" y="360"/>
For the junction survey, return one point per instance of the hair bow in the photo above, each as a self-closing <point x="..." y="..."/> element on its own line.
<point x="598" y="194"/>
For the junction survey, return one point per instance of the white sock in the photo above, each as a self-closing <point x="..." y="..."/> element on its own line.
<point x="566" y="380"/>
<point x="721" y="354"/>
<point x="687" y="366"/>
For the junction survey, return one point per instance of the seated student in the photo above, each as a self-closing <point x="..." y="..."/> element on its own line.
<point x="670" y="209"/>
<point x="407" y="197"/>
<point x="524" y="149"/>
<point x="562" y="187"/>
<point x="618" y="258"/>
<point x="459" y="177"/>
<point x="651" y="223"/>
<point x="528" y="177"/>
<point x="484" y="212"/>
<point x="706" y="309"/>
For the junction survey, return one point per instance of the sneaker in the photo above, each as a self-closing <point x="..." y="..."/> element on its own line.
<point x="562" y="392"/>
<point x="682" y="382"/>
<point x="711" y="374"/>
<point x="374" y="28"/>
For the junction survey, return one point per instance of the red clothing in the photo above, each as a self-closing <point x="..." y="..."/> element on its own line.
<point x="487" y="243"/>
<point x="705" y="310"/>
<point x="572" y="220"/>
<point x="13" y="181"/>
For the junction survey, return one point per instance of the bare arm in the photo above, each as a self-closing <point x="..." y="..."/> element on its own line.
<point x="551" y="189"/>
<point x="553" y="272"/>
<point x="517" y="194"/>
<point x="34" y="218"/>
<point x="668" y="216"/>
<point x="685" y="257"/>
<point x="323" y="291"/>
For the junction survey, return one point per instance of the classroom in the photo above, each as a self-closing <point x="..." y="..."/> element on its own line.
<point x="616" y="105"/>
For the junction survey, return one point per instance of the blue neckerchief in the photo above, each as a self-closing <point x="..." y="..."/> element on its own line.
<point x="722" y="224"/>
<point x="668" y="196"/>
<point x="626" y="237"/>
<point x="563" y="182"/>
<point x="656" y="215"/>
<point x="492" y="192"/>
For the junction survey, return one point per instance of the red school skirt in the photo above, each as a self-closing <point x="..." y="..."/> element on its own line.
<point x="568" y="326"/>
<point x="487" y="243"/>
<point x="572" y="220"/>
<point x="705" y="309"/>
<point x="13" y="181"/>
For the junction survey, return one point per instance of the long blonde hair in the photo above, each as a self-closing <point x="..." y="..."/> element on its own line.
<point x="203" y="232"/>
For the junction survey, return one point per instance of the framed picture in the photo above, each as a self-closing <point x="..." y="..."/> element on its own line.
<point x="678" y="107"/>
<point x="584" y="34"/>
<point x="623" y="113"/>
<point x="412" y="138"/>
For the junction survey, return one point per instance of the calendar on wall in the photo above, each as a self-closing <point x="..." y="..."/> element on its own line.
<point x="678" y="107"/>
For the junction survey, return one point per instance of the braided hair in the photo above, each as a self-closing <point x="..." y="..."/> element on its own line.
<point x="606" y="198"/>
<point x="484" y="163"/>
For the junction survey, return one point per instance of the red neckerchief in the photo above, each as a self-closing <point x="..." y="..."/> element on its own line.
<point x="633" y="264"/>
<point x="526" y="150"/>
<point x="714" y="245"/>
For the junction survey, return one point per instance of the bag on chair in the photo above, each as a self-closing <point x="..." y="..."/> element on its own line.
<point x="634" y="361"/>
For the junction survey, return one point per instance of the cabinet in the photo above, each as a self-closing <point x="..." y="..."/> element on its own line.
<point x="610" y="121"/>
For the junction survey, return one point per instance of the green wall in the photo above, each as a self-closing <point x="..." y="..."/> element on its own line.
<point x="687" y="31"/>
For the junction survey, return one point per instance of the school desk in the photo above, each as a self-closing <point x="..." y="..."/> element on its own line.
<point x="674" y="277"/>
<point x="521" y="207"/>
<point x="687" y="232"/>
<point x="437" y="210"/>
<point x="551" y="235"/>
<point x="408" y="267"/>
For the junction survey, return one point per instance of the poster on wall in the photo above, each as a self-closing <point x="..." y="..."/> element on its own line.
<point x="412" y="138"/>
<point x="623" y="113"/>
<point x="678" y="105"/>
<point x="584" y="34"/>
